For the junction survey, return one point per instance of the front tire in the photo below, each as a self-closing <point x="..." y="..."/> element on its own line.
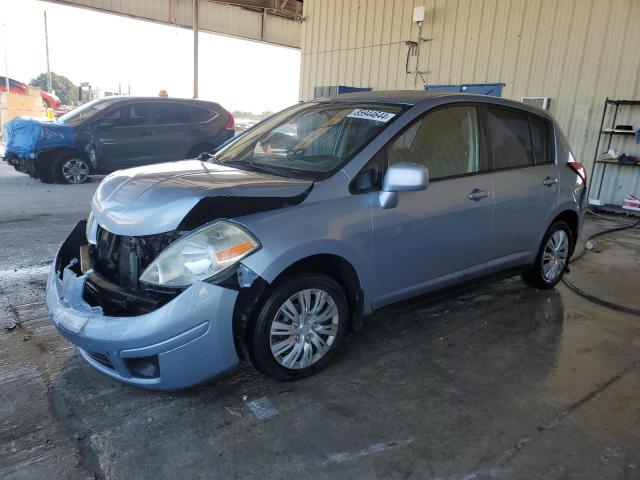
<point x="553" y="257"/>
<point x="299" y="327"/>
<point x="71" y="168"/>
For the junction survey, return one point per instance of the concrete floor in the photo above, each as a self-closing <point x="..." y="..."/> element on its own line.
<point x="502" y="381"/>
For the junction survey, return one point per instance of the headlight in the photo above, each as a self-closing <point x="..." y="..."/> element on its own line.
<point x="200" y="255"/>
<point x="91" y="229"/>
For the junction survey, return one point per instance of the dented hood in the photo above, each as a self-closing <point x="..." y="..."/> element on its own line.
<point x="157" y="198"/>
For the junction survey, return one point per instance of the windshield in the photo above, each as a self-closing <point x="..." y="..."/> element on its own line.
<point x="311" y="140"/>
<point x="84" y="112"/>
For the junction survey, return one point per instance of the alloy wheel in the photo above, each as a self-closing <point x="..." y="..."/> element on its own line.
<point x="304" y="328"/>
<point x="555" y="255"/>
<point x="75" y="170"/>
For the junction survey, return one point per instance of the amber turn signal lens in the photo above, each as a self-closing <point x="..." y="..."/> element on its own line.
<point x="235" y="251"/>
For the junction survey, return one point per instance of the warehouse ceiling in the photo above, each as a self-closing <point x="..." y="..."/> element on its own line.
<point x="277" y="22"/>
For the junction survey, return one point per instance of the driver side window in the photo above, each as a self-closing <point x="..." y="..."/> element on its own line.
<point x="446" y="141"/>
<point x="132" y="115"/>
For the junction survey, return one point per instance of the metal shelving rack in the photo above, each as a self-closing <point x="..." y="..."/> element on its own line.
<point x="609" y="134"/>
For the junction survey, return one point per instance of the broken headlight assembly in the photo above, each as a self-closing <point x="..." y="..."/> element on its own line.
<point x="200" y="255"/>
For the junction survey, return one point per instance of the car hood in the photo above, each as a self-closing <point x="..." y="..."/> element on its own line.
<point x="157" y="198"/>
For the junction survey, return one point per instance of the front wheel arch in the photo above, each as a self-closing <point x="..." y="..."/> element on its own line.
<point x="61" y="157"/>
<point x="250" y="299"/>
<point x="259" y="337"/>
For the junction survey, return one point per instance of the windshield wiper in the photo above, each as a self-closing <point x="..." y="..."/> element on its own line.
<point x="244" y="165"/>
<point x="272" y="169"/>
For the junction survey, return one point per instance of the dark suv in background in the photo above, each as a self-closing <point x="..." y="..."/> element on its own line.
<point x="116" y="132"/>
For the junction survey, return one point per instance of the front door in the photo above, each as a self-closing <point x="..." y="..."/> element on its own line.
<point x="124" y="138"/>
<point x="433" y="237"/>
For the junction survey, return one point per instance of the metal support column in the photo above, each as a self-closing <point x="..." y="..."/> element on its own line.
<point x="195" y="48"/>
<point x="6" y="60"/>
<point x="46" y="43"/>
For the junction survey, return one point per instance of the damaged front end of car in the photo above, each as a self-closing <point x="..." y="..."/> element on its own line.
<point x="30" y="142"/>
<point x="152" y="288"/>
<point x="153" y="337"/>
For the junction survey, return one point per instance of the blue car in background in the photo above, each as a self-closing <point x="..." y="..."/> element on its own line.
<point x="312" y="219"/>
<point x="114" y="133"/>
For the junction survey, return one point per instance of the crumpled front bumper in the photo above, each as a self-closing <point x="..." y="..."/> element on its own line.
<point x="187" y="340"/>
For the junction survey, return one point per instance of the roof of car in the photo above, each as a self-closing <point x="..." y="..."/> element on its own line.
<point x="413" y="97"/>
<point x="127" y="98"/>
<point x="407" y="97"/>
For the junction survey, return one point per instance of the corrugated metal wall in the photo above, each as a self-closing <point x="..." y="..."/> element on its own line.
<point x="577" y="52"/>
<point x="213" y="17"/>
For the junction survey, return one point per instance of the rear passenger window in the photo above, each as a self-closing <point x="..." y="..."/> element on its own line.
<point x="540" y="130"/>
<point x="446" y="141"/>
<point x="201" y="115"/>
<point x="169" y="113"/>
<point x="510" y="138"/>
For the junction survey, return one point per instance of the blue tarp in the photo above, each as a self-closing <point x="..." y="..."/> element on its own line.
<point x="26" y="137"/>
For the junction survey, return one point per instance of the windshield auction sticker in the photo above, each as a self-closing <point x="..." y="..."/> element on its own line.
<point x="375" y="115"/>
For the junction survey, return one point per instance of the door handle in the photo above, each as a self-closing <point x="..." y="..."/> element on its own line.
<point x="146" y="133"/>
<point x="550" y="181"/>
<point x="478" y="194"/>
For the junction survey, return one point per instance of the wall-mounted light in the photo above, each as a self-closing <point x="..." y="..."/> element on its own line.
<point x="414" y="46"/>
<point x="418" y="14"/>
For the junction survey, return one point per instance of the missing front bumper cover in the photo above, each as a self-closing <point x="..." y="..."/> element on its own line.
<point x="97" y="291"/>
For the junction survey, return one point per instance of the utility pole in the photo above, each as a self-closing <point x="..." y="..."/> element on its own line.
<point x="46" y="42"/>
<point x="6" y="59"/>
<point x="195" y="48"/>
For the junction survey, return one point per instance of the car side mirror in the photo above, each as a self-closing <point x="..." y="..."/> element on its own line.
<point x="402" y="177"/>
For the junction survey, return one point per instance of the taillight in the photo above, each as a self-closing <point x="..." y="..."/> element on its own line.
<point x="230" y="125"/>
<point x="579" y="169"/>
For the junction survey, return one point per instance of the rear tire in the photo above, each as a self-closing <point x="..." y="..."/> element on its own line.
<point x="299" y="327"/>
<point x="553" y="257"/>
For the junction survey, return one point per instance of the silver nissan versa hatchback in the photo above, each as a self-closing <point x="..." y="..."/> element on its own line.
<point x="299" y="227"/>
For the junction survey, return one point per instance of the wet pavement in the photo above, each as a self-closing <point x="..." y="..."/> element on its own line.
<point x="500" y="381"/>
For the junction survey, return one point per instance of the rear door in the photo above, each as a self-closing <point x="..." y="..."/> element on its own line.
<point x="525" y="183"/>
<point x="123" y="137"/>
<point x="209" y="124"/>
<point x="174" y="132"/>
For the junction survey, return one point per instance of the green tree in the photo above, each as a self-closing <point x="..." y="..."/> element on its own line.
<point x="64" y="88"/>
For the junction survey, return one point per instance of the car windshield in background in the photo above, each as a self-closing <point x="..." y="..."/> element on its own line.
<point x="311" y="140"/>
<point x="84" y="112"/>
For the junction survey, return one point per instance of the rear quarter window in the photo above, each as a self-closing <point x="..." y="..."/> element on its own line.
<point x="510" y="138"/>
<point x="541" y="134"/>
<point x="202" y="115"/>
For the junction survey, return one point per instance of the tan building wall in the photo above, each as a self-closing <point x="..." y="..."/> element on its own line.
<point x="577" y="52"/>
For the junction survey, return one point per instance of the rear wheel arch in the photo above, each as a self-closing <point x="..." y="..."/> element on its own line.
<point x="571" y="218"/>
